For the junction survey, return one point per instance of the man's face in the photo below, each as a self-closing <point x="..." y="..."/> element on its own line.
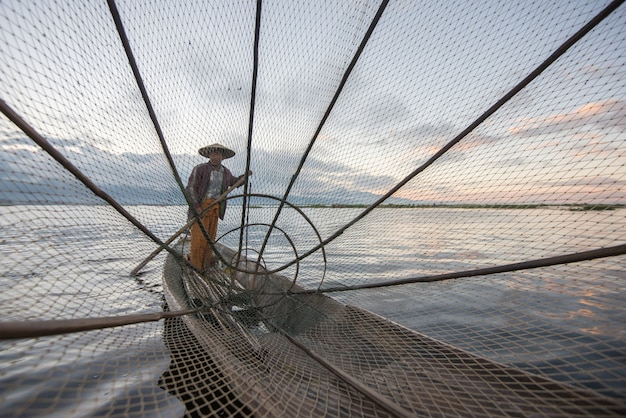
<point x="215" y="157"/>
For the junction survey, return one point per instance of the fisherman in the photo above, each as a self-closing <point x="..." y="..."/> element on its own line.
<point x="206" y="183"/>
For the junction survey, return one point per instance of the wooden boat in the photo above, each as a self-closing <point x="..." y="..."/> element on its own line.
<point x="287" y="354"/>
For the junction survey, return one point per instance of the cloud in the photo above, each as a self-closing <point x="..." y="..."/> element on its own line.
<point x="147" y="178"/>
<point x="427" y="140"/>
<point x="30" y="175"/>
<point x="321" y="180"/>
<point x="606" y="114"/>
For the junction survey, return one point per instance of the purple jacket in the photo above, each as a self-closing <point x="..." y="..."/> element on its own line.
<point x="198" y="184"/>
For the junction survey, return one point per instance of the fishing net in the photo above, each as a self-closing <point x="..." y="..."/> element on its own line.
<point x="434" y="223"/>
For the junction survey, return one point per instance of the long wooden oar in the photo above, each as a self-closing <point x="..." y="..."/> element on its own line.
<point x="188" y="225"/>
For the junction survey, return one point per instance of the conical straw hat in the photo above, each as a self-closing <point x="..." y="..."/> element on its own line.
<point x="226" y="152"/>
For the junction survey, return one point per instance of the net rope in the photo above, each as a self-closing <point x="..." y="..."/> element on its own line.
<point x="436" y="227"/>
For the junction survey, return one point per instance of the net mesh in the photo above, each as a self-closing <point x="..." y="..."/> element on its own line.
<point x="434" y="224"/>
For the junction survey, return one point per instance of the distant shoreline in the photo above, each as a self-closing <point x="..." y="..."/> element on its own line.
<point x="572" y="207"/>
<point x="563" y="206"/>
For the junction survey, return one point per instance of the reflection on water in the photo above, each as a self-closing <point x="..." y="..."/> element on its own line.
<point x="193" y="377"/>
<point x="96" y="373"/>
<point x="567" y="323"/>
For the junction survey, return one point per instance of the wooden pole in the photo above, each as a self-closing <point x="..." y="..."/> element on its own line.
<point x="187" y="226"/>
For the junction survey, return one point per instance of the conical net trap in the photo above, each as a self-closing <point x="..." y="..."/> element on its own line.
<point x="433" y="224"/>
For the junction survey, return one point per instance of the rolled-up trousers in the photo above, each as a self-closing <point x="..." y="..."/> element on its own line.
<point x="200" y="250"/>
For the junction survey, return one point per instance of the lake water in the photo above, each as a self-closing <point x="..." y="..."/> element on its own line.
<point x="568" y="322"/>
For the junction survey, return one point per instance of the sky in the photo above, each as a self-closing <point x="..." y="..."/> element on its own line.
<point x="427" y="72"/>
